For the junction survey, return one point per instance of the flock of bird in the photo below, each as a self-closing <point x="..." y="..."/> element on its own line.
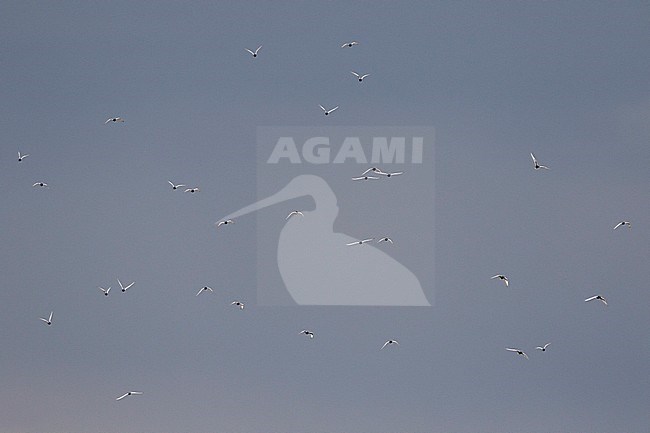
<point x="538" y="166"/>
<point x="373" y="173"/>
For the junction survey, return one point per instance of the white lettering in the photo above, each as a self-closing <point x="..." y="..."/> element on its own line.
<point x="351" y="148"/>
<point x="383" y="152"/>
<point x="284" y="148"/>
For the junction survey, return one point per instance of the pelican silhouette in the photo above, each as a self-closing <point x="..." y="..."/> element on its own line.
<point x="319" y="269"/>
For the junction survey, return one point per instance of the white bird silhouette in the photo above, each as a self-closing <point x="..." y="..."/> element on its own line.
<point x="327" y="112"/>
<point x="21" y="157"/>
<point x="519" y="351"/>
<point x="360" y="242"/>
<point x="395" y="173"/>
<point x="106" y="291"/>
<point x="360" y="77"/>
<point x="308" y="333"/>
<point x="127" y="394"/>
<point x="623" y="223"/>
<point x="542" y="348"/>
<point x="238" y="303"/>
<point x="373" y="169"/>
<point x="349" y="44"/>
<point x="47" y="321"/>
<point x="597" y="297"/>
<point x="389" y="342"/>
<point x="124" y="288"/>
<point x="254" y="53"/>
<point x="192" y="190"/>
<point x="292" y="213"/>
<point x="180" y="185"/>
<point x="226" y="222"/>
<point x="537" y="164"/>
<point x="204" y="289"/>
<point x="385" y="239"/>
<point x="40" y="184"/>
<point x="502" y="278"/>
<point x="365" y="178"/>
<point x="114" y="119"/>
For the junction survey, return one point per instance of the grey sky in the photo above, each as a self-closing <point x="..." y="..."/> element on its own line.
<point x="566" y="80"/>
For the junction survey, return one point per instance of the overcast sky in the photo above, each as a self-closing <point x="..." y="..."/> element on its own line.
<point x="567" y="81"/>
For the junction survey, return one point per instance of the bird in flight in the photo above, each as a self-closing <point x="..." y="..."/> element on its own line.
<point x="292" y="213"/>
<point x="623" y="223"/>
<point x="114" y="119"/>
<point x="502" y="278"/>
<point x="180" y="185"/>
<point x="192" y="190"/>
<point x="360" y="242"/>
<point x="373" y="169"/>
<point x="106" y="291"/>
<point x="597" y="297"/>
<point x="360" y="77"/>
<point x="365" y="178"/>
<point x="254" y="53"/>
<point x="226" y="222"/>
<point x="349" y="44"/>
<point x="537" y="164"/>
<point x="40" y="184"/>
<point x="238" y="303"/>
<point x="396" y="173"/>
<point x="204" y="289"/>
<point x="389" y="342"/>
<point x="124" y="288"/>
<point x="542" y="348"/>
<point x="327" y="112"/>
<point x="519" y="352"/>
<point x="128" y="394"/>
<point x="21" y="156"/>
<point x="385" y="239"/>
<point x="308" y="333"/>
<point x="47" y="321"/>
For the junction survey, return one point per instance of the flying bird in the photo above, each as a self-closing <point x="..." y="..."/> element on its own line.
<point x="502" y="278"/>
<point x="360" y="242"/>
<point x="226" y="222"/>
<point x="308" y="333"/>
<point x="106" y="291"/>
<point x="623" y="223"/>
<point x="114" y="119"/>
<point x="294" y="212"/>
<point x="365" y="178"/>
<point x="180" y="185"/>
<point x="327" y="112"/>
<point x="203" y="289"/>
<point x="597" y="297"/>
<point x="360" y="77"/>
<point x="373" y="169"/>
<point x="128" y="394"/>
<point x="537" y="164"/>
<point x="519" y="352"/>
<point x="21" y="156"/>
<point x="40" y="184"/>
<point x="47" y="321"/>
<point x="349" y="44"/>
<point x="124" y="288"/>
<point x="238" y="303"/>
<point x="396" y="173"/>
<point x="389" y="342"/>
<point x="542" y="348"/>
<point x="192" y="190"/>
<point x="254" y="53"/>
<point x="385" y="239"/>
